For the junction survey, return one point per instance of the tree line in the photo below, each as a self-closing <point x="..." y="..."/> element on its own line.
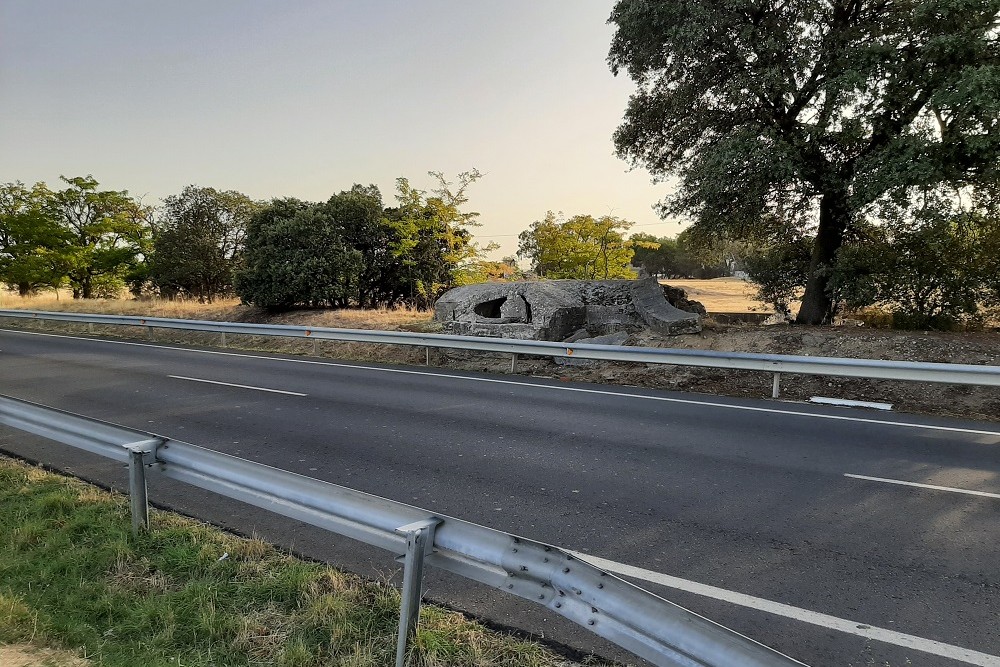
<point x="585" y="247"/>
<point x="204" y="243"/>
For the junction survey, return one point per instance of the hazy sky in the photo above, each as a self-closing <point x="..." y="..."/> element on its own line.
<point x="305" y="98"/>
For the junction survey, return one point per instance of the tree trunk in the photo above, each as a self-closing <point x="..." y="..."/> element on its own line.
<point x="817" y="306"/>
<point x="23" y="289"/>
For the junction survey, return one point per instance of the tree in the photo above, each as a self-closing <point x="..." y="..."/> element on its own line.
<point x="32" y="244"/>
<point x="810" y="111"/>
<point x="382" y="243"/>
<point x="933" y="268"/>
<point x="582" y="247"/>
<point x="295" y="255"/>
<point x="437" y="251"/>
<point x="199" y="242"/>
<point x="105" y="231"/>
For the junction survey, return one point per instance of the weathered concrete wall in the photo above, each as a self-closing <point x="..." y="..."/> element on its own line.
<point x="558" y="309"/>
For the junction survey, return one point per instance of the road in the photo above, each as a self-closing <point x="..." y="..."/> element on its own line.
<point x="743" y="511"/>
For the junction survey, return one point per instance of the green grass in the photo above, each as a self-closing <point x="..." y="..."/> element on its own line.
<point x="72" y="575"/>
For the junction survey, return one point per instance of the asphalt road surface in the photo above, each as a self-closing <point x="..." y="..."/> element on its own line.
<point x="839" y="537"/>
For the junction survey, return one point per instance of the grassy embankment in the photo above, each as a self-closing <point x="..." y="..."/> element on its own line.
<point x="72" y="576"/>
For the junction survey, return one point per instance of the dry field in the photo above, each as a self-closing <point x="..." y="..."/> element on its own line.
<point x="719" y="295"/>
<point x="231" y="310"/>
<point x="722" y="295"/>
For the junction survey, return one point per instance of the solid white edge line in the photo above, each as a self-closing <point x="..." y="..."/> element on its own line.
<point x="665" y="399"/>
<point x="985" y="494"/>
<point x="240" y="386"/>
<point x="804" y="615"/>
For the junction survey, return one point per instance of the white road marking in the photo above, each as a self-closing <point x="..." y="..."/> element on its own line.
<point x="804" y="615"/>
<point x="665" y="399"/>
<point x="935" y="487"/>
<point x="848" y="403"/>
<point x="240" y="386"/>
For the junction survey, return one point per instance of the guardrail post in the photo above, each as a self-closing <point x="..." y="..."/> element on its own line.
<point x="427" y="356"/>
<point x="90" y="328"/>
<point x="223" y="339"/>
<point x="419" y="543"/>
<point x="776" y="386"/>
<point x="513" y="363"/>
<point x="138" y="499"/>
<point x="315" y="348"/>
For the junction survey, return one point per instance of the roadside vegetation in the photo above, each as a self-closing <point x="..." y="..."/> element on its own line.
<point x="72" y="576"/>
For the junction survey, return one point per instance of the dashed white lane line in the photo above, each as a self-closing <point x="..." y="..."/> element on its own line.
<point x="970" y="492"/>
<point x="901" y="639"/>
<point x="622" y="394"/>
<point x="239" y="386"/>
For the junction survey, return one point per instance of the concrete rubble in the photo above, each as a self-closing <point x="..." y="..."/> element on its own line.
<point x="559" y="309"/>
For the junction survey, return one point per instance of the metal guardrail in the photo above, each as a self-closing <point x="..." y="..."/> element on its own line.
<point x="635" y="619"/>
<point x="777" y="364"/>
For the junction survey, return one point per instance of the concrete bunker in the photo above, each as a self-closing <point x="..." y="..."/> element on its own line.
<point x="558" y="309"/>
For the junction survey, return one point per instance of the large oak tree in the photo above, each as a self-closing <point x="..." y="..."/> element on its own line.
<point x="808" y="112"/>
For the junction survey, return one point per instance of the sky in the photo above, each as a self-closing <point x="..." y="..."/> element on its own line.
<point x="305" y="98"/>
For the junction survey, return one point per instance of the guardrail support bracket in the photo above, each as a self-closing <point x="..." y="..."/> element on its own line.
<point x="419" y="543"/>
<point x="138" y="499"/>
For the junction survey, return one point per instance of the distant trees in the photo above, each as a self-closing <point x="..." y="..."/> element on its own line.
<point x="32" y="243"/>
<point x="351" y="250"/>
<point x="204" y="243"/>
<point x="106" y="231"/>
<point x="93" y="240"/>
<point x="199" y="242"/>
<point x="682" y="256"/>
<point x="296" y="255"/>
<point x="582" y="247"/>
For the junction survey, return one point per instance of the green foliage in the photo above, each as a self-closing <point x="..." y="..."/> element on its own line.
<point x="807" y="112"/>
<point x="582" y="247"/>
<point x="681" y="257"/>
<point x="935" y="269"/>
<point x="350" y="250"/>
<point x="437" y="251"/>
<point x="296" y="255"/>
<point x="380" y="242"/>
<point x="32" y="244"/>
<point x="199" y="242"/>
<point x="780" y="269"/>
<point x="106" y="232"/>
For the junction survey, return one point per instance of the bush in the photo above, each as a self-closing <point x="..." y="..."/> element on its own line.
<point x="296" y="256"/>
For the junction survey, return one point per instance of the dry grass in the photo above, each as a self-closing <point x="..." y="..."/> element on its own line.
<point x="27" y="655"/>
<point x="719" y="295"/>
<point x="722" y="295"/>
<point x="219" y="310"/>
<point x="386" y="319"/>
